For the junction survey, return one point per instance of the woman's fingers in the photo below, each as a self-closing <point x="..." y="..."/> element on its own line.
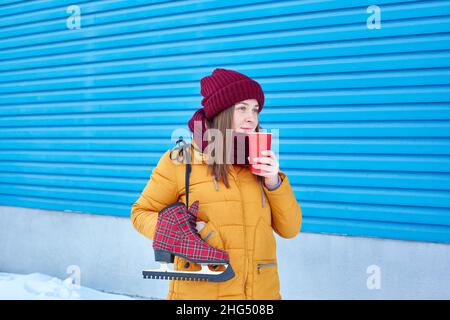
<point x="264" y="167"/>
<point x="200" y="225"/>
<point x="266" y="160"/>
<point x="268" y="153"/>
<point x="268" y="164"/>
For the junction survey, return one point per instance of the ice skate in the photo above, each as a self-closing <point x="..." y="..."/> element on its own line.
<point x="176" y="235"/>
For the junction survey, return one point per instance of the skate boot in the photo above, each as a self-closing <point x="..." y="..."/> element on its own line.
<point x="176" y="235"/>
<point x="193" y="217"/>
<point x="193" y="214"/>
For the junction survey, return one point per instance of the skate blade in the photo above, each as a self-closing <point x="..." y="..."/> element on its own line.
<point x="164" y="273"/>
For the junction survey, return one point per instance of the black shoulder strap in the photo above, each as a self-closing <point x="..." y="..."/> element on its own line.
<point x="188" y="172"/>
<point x="184" y="151"/>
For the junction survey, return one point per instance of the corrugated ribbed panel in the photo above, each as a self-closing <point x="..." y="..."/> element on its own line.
<point x="364" y="115"/>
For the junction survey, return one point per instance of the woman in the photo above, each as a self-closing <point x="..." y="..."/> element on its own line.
<point x="240" y="209"/>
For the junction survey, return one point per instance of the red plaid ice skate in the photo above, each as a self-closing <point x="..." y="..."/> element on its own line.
<point x="176" y="235"/>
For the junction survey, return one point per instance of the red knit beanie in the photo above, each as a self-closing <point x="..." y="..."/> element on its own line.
<point x="221" y="90"/>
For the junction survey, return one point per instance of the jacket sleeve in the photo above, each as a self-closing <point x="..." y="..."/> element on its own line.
<point x="160" y="191"/>
<point x="286" y="212"/>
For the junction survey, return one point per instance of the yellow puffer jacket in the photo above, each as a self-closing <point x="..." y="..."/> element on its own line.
<point x="238" y="220"/>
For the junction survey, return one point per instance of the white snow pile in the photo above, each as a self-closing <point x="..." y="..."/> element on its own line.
<point x="37" y="286"/>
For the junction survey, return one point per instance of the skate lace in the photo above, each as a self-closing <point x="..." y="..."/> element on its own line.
<point x="183" y="149"/>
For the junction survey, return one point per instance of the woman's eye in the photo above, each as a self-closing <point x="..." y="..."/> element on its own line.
<point x="244" y="109"/>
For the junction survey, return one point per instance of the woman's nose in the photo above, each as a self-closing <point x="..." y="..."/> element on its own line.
<point x="251" y="117"/>
<point x="251" y="120"/>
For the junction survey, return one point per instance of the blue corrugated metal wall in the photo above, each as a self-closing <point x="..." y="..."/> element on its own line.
<point x="364" y="114"/>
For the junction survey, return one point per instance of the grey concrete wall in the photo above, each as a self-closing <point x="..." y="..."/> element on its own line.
<point x="111" y="256"/>
<point x="317" y="266"/>
<point x="109" y="252"/>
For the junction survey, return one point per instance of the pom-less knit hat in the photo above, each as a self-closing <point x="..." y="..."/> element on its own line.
<point x="220" y="91"/>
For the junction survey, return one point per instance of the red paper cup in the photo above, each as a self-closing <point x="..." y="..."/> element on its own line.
<point x="258" y="142"/>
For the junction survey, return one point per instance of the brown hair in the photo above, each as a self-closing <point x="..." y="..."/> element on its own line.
<point x="221" y="122"/>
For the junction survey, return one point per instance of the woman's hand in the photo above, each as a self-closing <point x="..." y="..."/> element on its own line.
<point x="200" y="225"/>
<point x="268" y="164"/>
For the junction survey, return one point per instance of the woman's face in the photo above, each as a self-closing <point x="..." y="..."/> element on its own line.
<point x="245" y="116"/>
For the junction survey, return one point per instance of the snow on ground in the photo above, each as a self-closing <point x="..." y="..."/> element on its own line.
<point x="37" y="286"/>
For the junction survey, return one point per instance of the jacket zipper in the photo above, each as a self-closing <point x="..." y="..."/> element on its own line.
<point x="245" y="236"/>
<point x="263" y="265"/>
